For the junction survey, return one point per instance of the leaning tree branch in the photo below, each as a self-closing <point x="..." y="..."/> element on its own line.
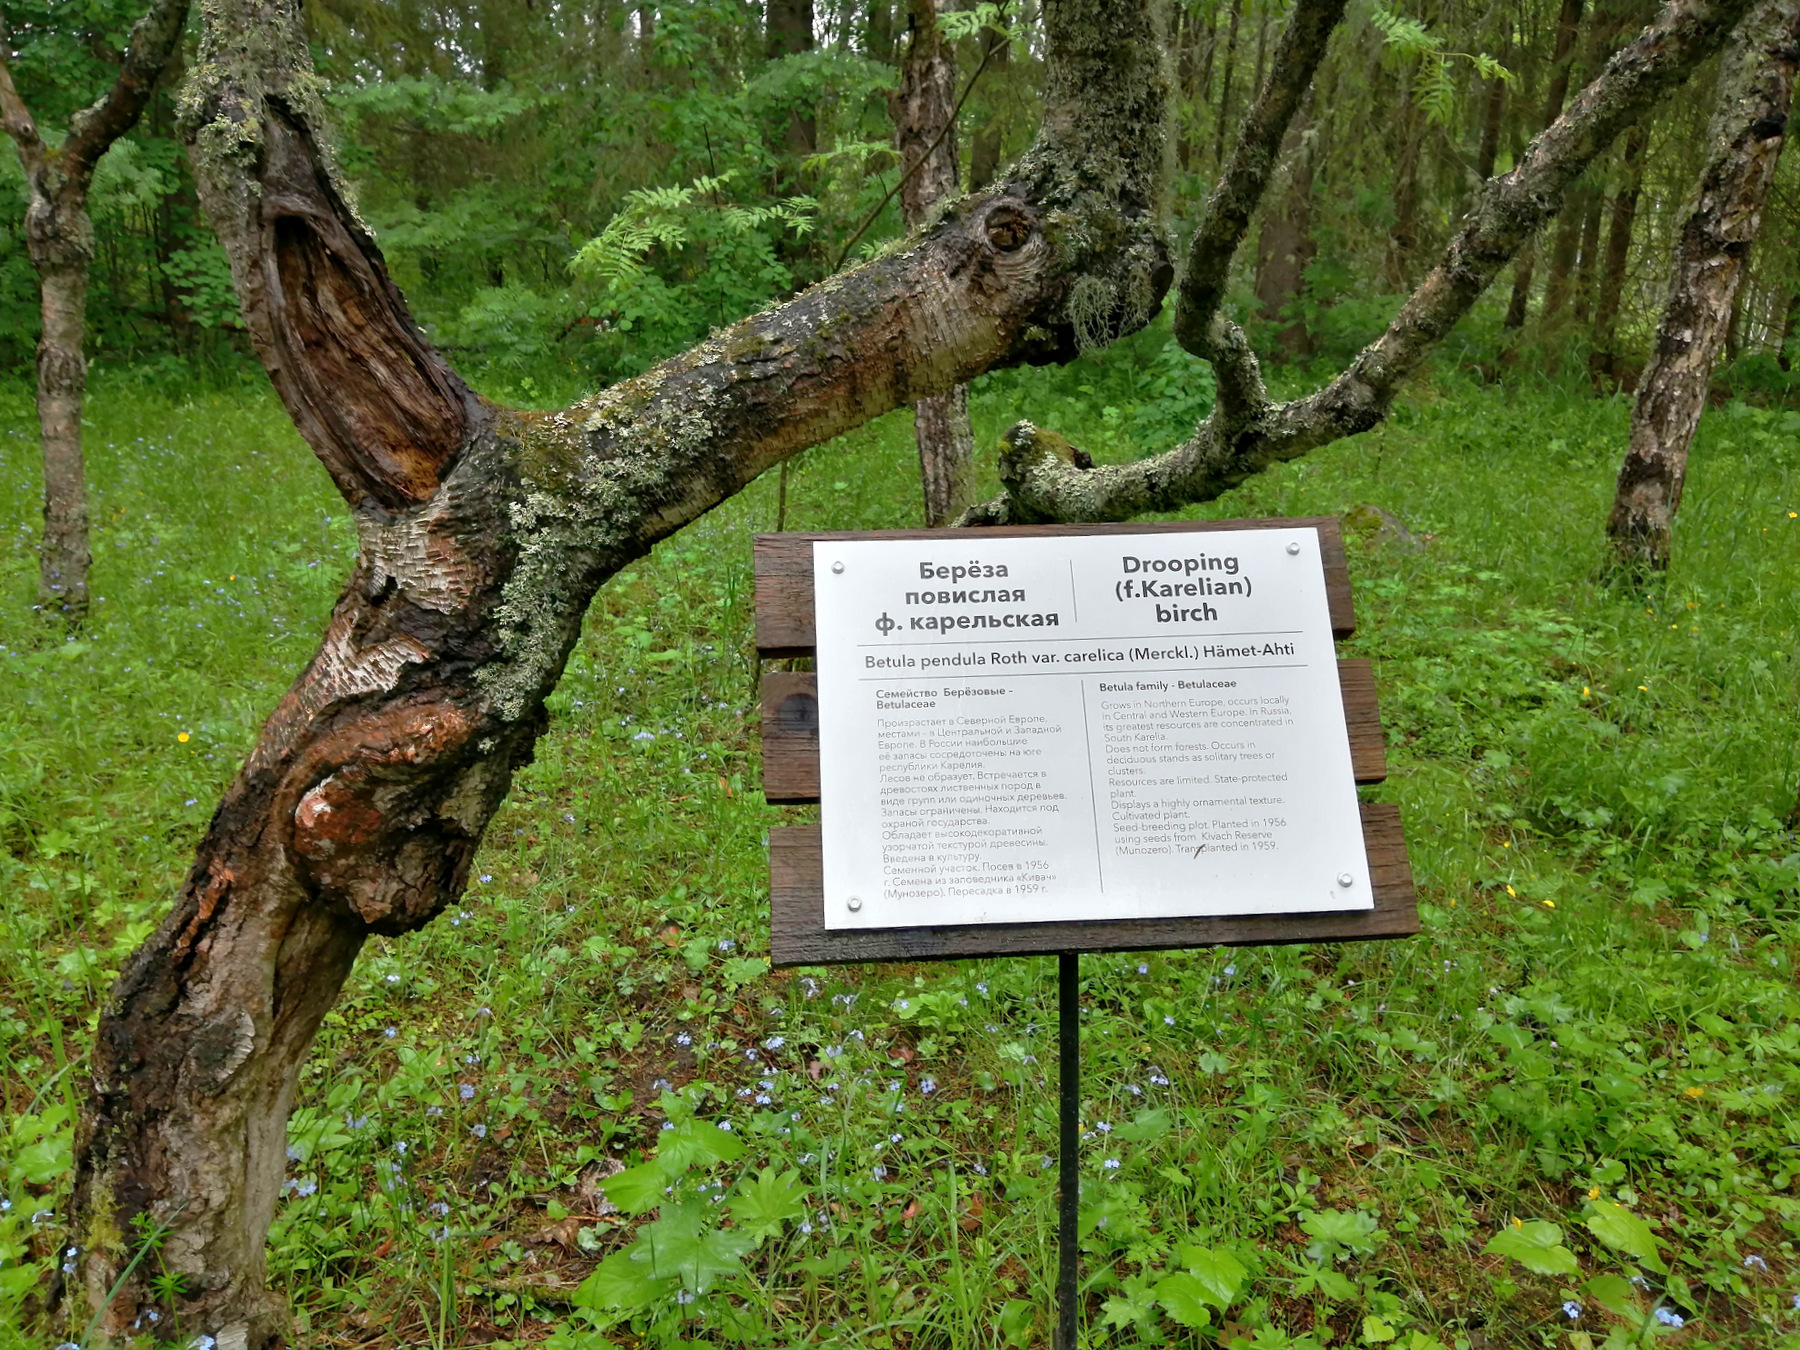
<point x="1236" y="441"/>
<point x="15" y="116"/>
<point x="93" y="130"/>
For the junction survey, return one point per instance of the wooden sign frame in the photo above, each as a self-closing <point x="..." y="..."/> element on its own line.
<point x="790" y="725"/>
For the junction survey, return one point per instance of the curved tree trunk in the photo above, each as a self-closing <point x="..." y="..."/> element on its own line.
<point x="484" y="534"/>
<point x="924" y="108"/>
<point x="59" y="238"/>
<point x="1755" y="88"/>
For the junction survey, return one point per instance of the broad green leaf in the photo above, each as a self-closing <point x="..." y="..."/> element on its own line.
<point x="622" y="1283"/>
<point x="762" y="1206"/>
<point x="1148" y="1125"/>
<point x="1335" y="1229"/>
<point x="1537" y="1246"/>
<point x="1618" y="1227"/>
<point x="637" y="1189"/>
<point x="1218" y="1272"/>
<point x="1376" y="1331"/>
<point x="44" y="1161"/>
<point x="1017" y="1317"/>
<point x="1613" y="1292"/>
<point x="696" y="1141"/>
<point x="1184" y="1298"/>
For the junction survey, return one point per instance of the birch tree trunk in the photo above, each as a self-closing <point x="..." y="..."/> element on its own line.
<point x="924" y="108"/>
<point x="1603" y="362"/>
<point x="484" y="532"/>
<point x="59" y="239"/>
<point x="1756" y="84"/>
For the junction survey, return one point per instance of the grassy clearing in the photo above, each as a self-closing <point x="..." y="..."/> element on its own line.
<point x="1599" y="1029"/>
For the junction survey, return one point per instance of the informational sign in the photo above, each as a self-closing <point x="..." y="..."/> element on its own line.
<point x="1060" y="728"/>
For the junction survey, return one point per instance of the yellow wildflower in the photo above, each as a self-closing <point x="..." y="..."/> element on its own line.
<point x="1549" y="904"/>
<point x="1510" y="891"/>
<point x="1584" y="691"/>
<point x="182" y="736"/>
<point x="1644" y="687"/>
<point x="1695" y="1092"/>
<point x="1593" y="1193"/>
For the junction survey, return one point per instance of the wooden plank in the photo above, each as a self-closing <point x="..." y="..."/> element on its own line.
<point x="798" y="937"/>
<point x="790" y="731"/>
<point x="1362" y="719"/>
<point x="784" y="578"/>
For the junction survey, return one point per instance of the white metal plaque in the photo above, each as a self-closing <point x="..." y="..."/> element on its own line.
<point x="1081" y="727"/>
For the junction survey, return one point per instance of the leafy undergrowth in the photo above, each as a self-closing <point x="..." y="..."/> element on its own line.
<point x="580" y="1109"/>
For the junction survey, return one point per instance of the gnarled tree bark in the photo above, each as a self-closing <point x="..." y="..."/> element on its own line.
<point x="59" y="238"/>
<point x="1245" y="433"/>
<point x="1756" y="85"/>
<point x="924" y="107"/>
<point x="484" y="534"/>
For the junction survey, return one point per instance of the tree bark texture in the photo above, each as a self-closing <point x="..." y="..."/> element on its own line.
<point x="1750" y="116"/>
<point x="484" y="533"/>
<point x="1245" y="433"/>
<point x="789" y="31"/>
<point x="59" y="239"/>
<point x="924" y="105"/>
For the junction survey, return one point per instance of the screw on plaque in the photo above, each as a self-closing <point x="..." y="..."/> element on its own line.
<point x="1294" y="546"/>
<point x="1345" y="879"/>
<point x="837" y="566"/>
<point x="854" y="903"/>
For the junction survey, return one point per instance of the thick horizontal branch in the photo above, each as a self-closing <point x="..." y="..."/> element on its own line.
<point x="1232" y="445"/>
<point x="93" y="130"/>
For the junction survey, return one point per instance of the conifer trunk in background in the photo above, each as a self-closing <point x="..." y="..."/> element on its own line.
<point x="1603" y="362"/>
<point x="789" y="32"/>
<point x="1589" y="266"/>
<point x="1568" y="28"/>
<point x="59" y="239"/>
<point x="1493" y="115"/>
<point x="1403" y="238"/>
<point x="1755" y="88"/>
<point x="923" y="106"/>
<point x="984" y="151"/>
<point x="1785" y="357"/>
<point x="1219" y="123"/>
<point x="1284" y="244"/>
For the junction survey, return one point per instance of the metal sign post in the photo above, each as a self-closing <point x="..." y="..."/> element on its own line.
<point x="1061" y="739"/>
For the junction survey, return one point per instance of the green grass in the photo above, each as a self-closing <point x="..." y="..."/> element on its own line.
<point x="1601" y="1010"/>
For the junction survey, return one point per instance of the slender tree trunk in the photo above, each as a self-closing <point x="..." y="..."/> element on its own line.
<point x="1568" y="28"/>
<point x="61" y="385"/>
<point x="1604" y="361"/>
<point x="1231" y="37"/>
<point x="984" y="152"/>
<point x="1589" y="268"/>
<point x="1785" y="356"/>
<point x="1403" y="237"/>
<point x="484" y="534"/>
<point x="790" y="32"/>
<point x="923" y="107"/>
<point x="1492" y="118"/>
<point x="59" y="238"/>
<point x="1756" y="83"/>
<point x="1565" y="251"/>
<point x="1285" y="246"/>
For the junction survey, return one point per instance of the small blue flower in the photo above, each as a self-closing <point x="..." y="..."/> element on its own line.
<point x="1111" y="1164"/>
<point x="1669" y="1319"/>
<point x="1571" y="1310"/>
<point x="928" y="1086"/>
<point x="1755" y="1262"/>
<point x="466" y="1091"/>
<point x="478" y="1130"/>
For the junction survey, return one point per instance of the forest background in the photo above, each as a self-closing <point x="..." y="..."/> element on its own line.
<point x="1329" y="1147"/>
